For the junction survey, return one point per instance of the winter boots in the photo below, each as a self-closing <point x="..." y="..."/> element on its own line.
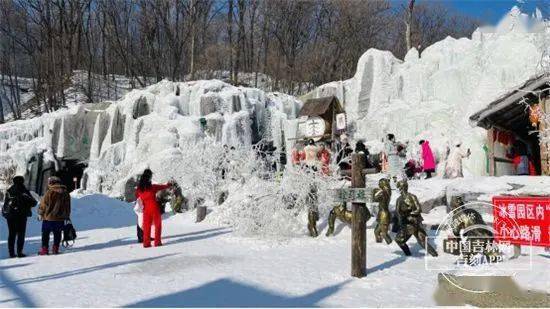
<point x="43" y="251"/>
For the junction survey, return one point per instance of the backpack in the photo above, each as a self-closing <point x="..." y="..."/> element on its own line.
<point x="69" y="234"/>
<point x="11" y="205"/>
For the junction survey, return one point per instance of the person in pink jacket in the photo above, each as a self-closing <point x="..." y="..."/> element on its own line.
<point x="428" y="160"/>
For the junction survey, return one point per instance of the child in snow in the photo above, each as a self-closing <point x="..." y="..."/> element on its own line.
<point x="412" y="169"/>
<point x="146" y="192"/>
<point x="138" y="209"/>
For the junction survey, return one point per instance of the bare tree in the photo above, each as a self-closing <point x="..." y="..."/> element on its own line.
<point x="297" y="43"/>
<point x="408" y="23"/>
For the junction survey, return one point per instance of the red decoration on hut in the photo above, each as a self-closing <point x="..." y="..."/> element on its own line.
<point x="534" y="114"/>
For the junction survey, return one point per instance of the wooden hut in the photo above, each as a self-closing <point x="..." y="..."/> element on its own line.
<point x="318" y="118"/>
<point x="515" y="119"/>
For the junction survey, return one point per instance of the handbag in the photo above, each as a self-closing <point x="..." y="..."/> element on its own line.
<point x="69" y="234"/>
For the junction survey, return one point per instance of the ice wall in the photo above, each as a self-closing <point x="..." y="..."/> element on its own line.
<point x="235" y="116"/>
<point x="144" y="129"/>
<point x="431" y="96"/>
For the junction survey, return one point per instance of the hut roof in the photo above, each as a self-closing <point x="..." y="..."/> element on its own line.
<point x="318" y="107"/>
<point x="505" y="112"/>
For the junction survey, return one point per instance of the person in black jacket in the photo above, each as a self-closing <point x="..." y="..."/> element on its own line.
<point x="360" y="147"/>
<point x="343" y="157"/>
<point x="17" y="207"/>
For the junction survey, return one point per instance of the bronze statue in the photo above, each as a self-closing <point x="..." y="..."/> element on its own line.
<point x="340" y="212"/>
<point x="312" y="218"/>
<point x="175" y="197"/>
<point x="466" y="217"/>
<point x="410" y="220"/>
<point x="382" y="195"/>
<point x="468" y="224"/>
<point x="178" y="201"/>
<point x="313" y="212"/>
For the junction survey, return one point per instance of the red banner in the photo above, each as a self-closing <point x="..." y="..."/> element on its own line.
<point x="522" y="220"/>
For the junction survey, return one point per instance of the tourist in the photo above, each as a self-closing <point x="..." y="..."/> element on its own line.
<point x="146" y="192"/>
<point x="311" y="160"/>
<point x="361" y="148"/>
<point x="428" y="160"/>
<point x="393" y="152"/>
<point x="324" y="157"/>
<point x="54" y="209"/>
<point x="412" y="168"/>
<point x="453" y="167"/>
<point x="17" y="207"/>
<point x="297" y="154"/>
<point x="523" y="165"/>
<point x="343" y="159"/>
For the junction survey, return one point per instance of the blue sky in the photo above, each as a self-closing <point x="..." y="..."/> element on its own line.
<point x="489" y="11"/>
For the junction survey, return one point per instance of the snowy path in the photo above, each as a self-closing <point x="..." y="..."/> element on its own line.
<point x="204" y="265"/>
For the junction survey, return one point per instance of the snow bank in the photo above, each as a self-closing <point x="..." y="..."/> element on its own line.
<point x="438" y="192"/>
<point x="431" y="96"/>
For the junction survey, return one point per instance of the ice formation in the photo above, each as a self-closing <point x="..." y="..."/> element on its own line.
<point x="152" y="127"/>
<point x="431" y="96"/>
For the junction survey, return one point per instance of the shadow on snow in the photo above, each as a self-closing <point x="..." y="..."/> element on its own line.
<point x="19" y="294"/>
<point x="13" y="284"/>
<point x="187" y="237"/>
<point x="229" y="293"/>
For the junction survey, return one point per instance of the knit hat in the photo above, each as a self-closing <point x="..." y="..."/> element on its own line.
<point x="54" y="180"/>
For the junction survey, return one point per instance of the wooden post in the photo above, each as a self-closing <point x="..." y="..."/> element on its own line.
<point x="358" y="223"/>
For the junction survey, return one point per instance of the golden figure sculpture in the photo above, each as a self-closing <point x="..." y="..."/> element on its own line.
<point x="382" y="195"/>
<point x="313" y="212"/>
<point x="340" y="212"/>
<point x="410" y="220"/>
<point x="312" y="218"/>
<point x="468" y="225"/>
<point x="178" y="201"/>
<point x="175" y="197"/>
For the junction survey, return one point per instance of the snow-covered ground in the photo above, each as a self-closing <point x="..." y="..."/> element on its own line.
<point x="202" y="264"/>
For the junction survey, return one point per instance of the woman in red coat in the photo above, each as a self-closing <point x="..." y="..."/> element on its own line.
<point x="147" y="192"/>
